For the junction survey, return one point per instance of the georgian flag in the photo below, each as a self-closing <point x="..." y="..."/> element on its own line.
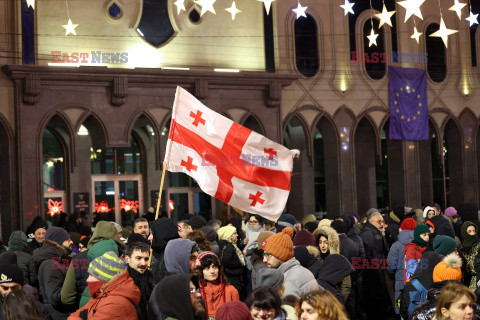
<point x="229" y="162"/>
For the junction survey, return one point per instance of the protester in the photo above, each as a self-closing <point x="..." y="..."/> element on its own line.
<point x="197" y="222"/>
<point x="233" y="310"/>
<point x="18" y="245"/>
<point x="255" y="226"/>
<point x="333" y="271"/>
<point x="141" y="226"/>
<point x="318" y="305"/>
<point x="415" y="249"/>
<point x="214" y="285"/>
<point x="76" y="224"/>
<point x="36" y="232"/>
<point x="180" y="257"/>
<point x="265" y="304"/>
<point x="327" y="241"/>
<point x="183" y="229"/>
<point x="199" y="238"/>
<point x="428" y="213"/>
<point x="455" y="302"/>
<point x="257" y="256"/>
<point x="212" y="237"/>
<point x="19" y="305"/>
<point x="231" y="257"/>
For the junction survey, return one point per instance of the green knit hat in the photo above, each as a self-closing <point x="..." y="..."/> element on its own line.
<point x="468" y="240"/>
<point x="99" y="248"/>
<point x="444" y="245"/>
<point x="106" y="267"/>
<point x="420" y="229"/>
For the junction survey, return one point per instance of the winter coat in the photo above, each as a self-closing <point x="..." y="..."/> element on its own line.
<point x="231" y="263"/>
<point x="77" y="274"/>
<point x="474" y="255"/>
<point x="332" y="237"/>
<point x="413" y="254"/>
<point x="257" y="264"/>
<point x="298" y="280"/>
<point x="52" y="262"/>
<point x="442" y="226"/>
<point x="396" y="258"/>
<point x="252" y="236"/>
<point x="18" y="245"/>
<point x="32" y="245"/>
<point x="391" y="231"/>
<point x="163" y="230"/>
<point x="333" y="270"/>
<point x="116" y="299"/>
<point x="216" y="294"/>
<point x="314" y="262"/>
<point x="424" y="274"/>
<point x="348" y="248"/>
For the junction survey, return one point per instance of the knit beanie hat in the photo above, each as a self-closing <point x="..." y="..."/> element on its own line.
<point x="269" y="277"/>
<point x="409" y="224"/>
<point x="224" y="233"/>
<point x="325" y="222"/>
<point x="288" y="218"/>
<point x="311" y="226"/>
<point x="451" y="212"/>
<point x="233" y="310"/>
<point x="304" y="238"/>
<point x="450" y="268"/>
<point x="425" y="211"/>
<point x="349" y="221"/>
<point x="137" y="237"/>
<point x="11" y="273"/>
<point x="469" y="240"/>
<point x="209" y="233"/>
<point x="420" y="229"/>
<point x="308" y="218"/>
<point x="8" y="257"/>
<point x="280" y="245"/>
<point x="339" y="226"/>
<point x="430" y="224"/>
<point x="444" y="245"/>
<point x="197" y="222"/>
<point x="204" y="254"/>
<point x="302" y="255"/>
<point x="57" y="235"/>
<point x="264" y="235"/>
<point x="106" y="267"/>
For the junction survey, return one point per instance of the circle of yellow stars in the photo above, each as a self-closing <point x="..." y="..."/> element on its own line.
<point x="409" y="90"/>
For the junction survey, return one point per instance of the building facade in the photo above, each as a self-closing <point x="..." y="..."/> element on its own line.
<point x="84" y="118"/>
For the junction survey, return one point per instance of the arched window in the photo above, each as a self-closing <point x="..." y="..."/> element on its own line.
<point x="365" y="146"/>
<point x="252" y="124"/>
<point x="381" y="171"/>
<point x="452" y="151"/>
<point x="438" y="173"/>
<point x="306" y="46"/>
<point x="374" y="63"/>
<point x="155" y="26"/>
<point x="319" y="171"/>
<point x="436" y="53"/>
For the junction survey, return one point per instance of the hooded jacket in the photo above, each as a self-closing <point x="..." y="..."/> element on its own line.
<point x="298" y="280"/>
<point x="177" y="256"/>
<point x="77" y="273"/>
<point x="18" y="245"/>
<point x="216" y="294"/>
<point x="332" y="237"/>
<point x="354" y="234"/>
<point x="333" y="270"/>
<point x="163" y="230"/>
<point x="413" y="254"/>
<point x="252" y="236"/>
<point x="171" y="298"/>
<point x="51" y="261"/>
<point x="115" y="300"/>
<point x="396" y="258"/>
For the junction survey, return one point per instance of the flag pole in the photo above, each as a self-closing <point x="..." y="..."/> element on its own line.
<point x="158" y="206"/>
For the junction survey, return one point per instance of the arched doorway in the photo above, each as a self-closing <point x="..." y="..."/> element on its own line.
<point x="8" y="216"/>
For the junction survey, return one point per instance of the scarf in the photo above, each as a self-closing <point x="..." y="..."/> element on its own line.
<point x="468" y="240"/>
<point x="240" y="255"/>
<point x="212" y="291"/>
<point x="145" y="284"/>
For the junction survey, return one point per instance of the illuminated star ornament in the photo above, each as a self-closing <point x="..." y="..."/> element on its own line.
<point x="268" y="4"/>
<point x="70" y="28"/>
<point x="300" y="11"/>
<point x="385" y="16"/>
<point x="31" y="3"/>
<point x="233" y="10"/>
<point x="412" y="7"/>
<point x="207" y="5"/>
<point x="457" y="7"/>
<point x="443" y="32"/>
<point x="372" y="38"/>
<point x="348" y="7"/>
<point x="472" y="18"/>
<point x="180" y="6"/>
<point x="416" y="35"/>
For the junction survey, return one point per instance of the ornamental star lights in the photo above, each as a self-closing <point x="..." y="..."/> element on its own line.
<point x="207" y="5"/>
<point x="180" y="4"/>
<point x="412" y="7"/>
<point x="300" y="11"/>
<point x="457" y="7"/>
<point x="385" y="16"/>
<point x="31" y="3"/>
<point x="268" y="5"/>
<point x="372" y="38"/>
<point x="233" y="10"/>
<point x="443" y="33"/>
<point x="70" y="28"/>
<point x="472" y="18"/>
<point x="416" y="35"/>
<point x="348" y="7"/>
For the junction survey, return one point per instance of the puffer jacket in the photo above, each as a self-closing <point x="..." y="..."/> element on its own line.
<point x="115" y="300"/>
<point x="413" y="254"/>
<point x="252" y="236"/>
<point x="298" y="280"/>
<point x="216" y="294"/>
<point x="333" y="270"/>
<point x="18" y="245"/>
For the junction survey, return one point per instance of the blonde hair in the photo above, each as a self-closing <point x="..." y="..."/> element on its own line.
<point x="324" y="303"/>
<point x="450" y="293"/>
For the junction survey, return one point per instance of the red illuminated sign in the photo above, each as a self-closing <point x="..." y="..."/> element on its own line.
<point x="54" y="207"/>
<point x="102" y="207"/>
<point x="128" y="205"/>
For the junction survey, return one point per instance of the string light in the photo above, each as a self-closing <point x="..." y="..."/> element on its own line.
<point x="443" y="32"/>
<point x="31" y="3"/>
<point x="412" y="7"/>
<point x="416" y="35"/>
<point x="180" y="5"/>
<point x="457" y="7"/>
<point x="472" y="18"/>
<point x="385" y="16"/>
<point x="372" y="38"/>
<point x="268" y="5"/>
<point x="207" y="5"/>
<point x="69" y="27"/>
<point x="348" y="7"/>
<point x="300" y="11"/>
<point x="233" y="10"/>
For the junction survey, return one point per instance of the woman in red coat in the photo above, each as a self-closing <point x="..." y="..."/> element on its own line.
<point x="414" y="250"/>
<point x="214" y="285"/>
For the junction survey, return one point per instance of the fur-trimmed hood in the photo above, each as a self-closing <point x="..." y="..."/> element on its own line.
<point x="49" y="250"/>
<point x="314" y="251"/>
<point x="332" y="236"/>
<point x="453" y="260"/>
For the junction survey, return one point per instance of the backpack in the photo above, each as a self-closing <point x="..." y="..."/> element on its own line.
<point x="416" y="297"/>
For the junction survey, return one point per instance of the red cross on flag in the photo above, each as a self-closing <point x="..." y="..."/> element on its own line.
<point x="229" y="162"/>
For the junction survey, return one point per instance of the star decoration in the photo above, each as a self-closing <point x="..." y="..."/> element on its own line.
<point x="233" y="10"/>
<point x="385" y="16"/>
<point x="416" y="35"/>
<point x="300" y="11"/>
<point x="472" y="19"/>
<point x="372" y="38"/>
<point x="70" y="28"/>
<point x="443" y="33"/>
<point x="348" y="7"/>
<point x="412" y="7"/>
<point x="180" y="6"/>
<point x="457" y="7"/>
<point x="268" y="4"/>
<point x="31" y="3"/>
<point x="207" y="5"/>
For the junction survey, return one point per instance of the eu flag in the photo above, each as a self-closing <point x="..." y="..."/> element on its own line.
<point x="408" y="104"/>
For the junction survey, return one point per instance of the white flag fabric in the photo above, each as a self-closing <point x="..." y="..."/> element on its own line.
<point x="229" y="162"/>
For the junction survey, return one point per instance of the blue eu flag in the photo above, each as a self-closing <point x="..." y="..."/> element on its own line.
<point x="408" y="104"/>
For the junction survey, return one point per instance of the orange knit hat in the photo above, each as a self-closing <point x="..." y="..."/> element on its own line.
<point x="280" y="245"/>
<point x="450" y="268"/>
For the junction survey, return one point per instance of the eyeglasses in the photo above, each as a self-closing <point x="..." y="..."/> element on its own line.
<point x="253" y="221"/>
<point x="194" y="290"/>
<point x="267" y="255"/>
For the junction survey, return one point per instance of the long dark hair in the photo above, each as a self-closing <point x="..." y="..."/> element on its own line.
<point x="206" y="262"/>
<point x="20" y="305"/>
<point x="265" y="298"/>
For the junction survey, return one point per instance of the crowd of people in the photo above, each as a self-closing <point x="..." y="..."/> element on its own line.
<point x="385" y="264"/>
